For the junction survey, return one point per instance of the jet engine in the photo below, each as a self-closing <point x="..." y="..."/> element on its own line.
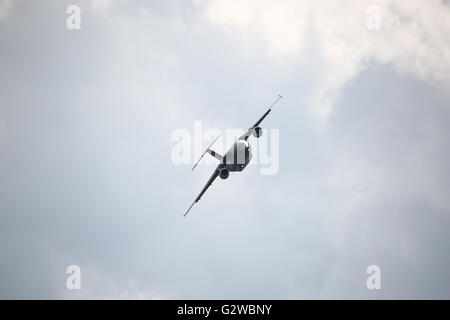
<point x="257" y="132"/>
<point x="224" y="173"/>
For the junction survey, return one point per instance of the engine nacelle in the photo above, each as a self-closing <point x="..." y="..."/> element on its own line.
<point x="224" y="173"/>
<point x="257" y="132"/>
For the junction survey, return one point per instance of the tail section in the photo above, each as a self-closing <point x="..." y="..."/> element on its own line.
<point x="208" y="150"/>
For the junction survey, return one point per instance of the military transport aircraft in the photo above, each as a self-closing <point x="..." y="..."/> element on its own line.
<point x="236" y="158"/>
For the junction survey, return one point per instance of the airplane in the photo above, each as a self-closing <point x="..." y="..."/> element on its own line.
<point x="236" y="158"/>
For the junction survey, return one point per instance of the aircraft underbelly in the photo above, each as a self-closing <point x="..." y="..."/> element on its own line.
<point x="238" y="157"/>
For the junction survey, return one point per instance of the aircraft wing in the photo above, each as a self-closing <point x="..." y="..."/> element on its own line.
<point x="210" y="181"/>
<point x="250" y="130"/>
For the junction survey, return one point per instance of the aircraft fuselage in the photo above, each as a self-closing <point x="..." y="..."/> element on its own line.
<point x="238" y="156"/>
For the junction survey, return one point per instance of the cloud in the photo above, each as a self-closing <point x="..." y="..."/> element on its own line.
<point x="282" y="26"/>
<point x="413" y="38"/>
<point x="85" y="141"/>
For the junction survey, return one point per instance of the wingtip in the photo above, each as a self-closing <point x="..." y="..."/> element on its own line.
<point x="189" y="209"/>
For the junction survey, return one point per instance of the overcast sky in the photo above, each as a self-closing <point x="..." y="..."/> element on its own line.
<point x="86" y="175"/>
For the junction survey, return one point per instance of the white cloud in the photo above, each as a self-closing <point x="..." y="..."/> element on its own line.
<point x="282" y="26"/>
<point x="413" y="38"/>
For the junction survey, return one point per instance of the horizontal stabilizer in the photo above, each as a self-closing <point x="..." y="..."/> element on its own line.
<point x="209" y="151"/>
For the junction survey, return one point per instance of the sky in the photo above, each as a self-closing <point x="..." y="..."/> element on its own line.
<point x="86" y="123"/>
